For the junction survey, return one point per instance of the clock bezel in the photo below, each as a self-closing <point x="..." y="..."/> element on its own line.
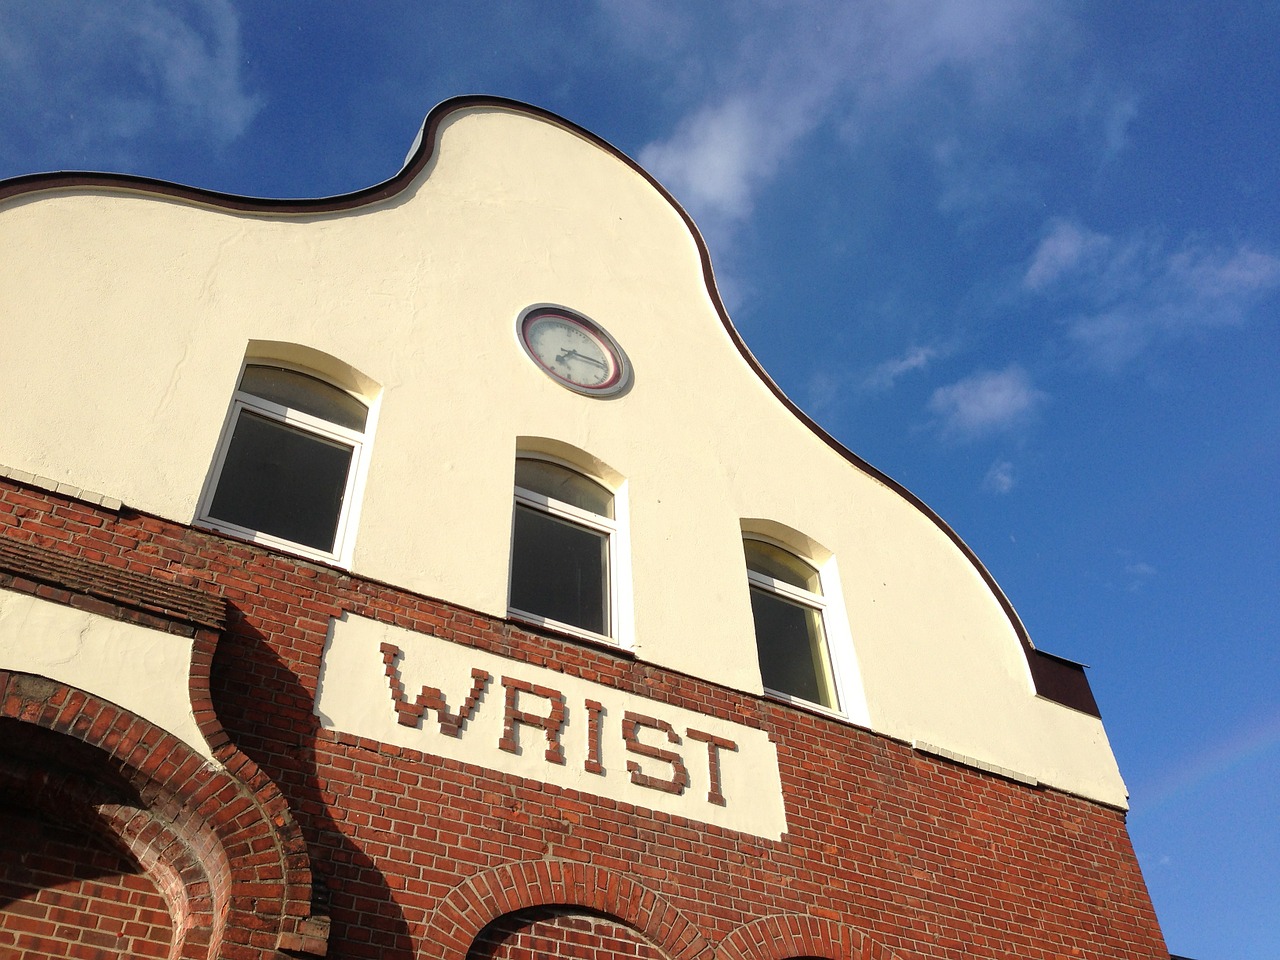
<point x="615" y="385"/>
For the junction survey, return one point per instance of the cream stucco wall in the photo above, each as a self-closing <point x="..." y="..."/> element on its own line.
<point x="127" y="318"/>
<point x="144" y="671"/>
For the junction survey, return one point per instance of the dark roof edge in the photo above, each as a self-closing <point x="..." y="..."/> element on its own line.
<point x="1068" y="685"/>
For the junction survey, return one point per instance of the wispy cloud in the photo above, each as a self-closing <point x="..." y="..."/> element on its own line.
<point x="999" y="478"/>
<point x="717" y="157"/>
<point x="1122" y="295"/>
<point x="1117" y="118"/>
<point x="986" y="403"/>
<point x="1066" y="248"/>
<point x="886" y="374"/>
<point x="1106" y="116"/>
<point x="140" y="67"/>
<point x="829" y="382"/>
<point x="822" y="391"/>
<point x="1137" y="574"/>
<point x="857" y="70"/>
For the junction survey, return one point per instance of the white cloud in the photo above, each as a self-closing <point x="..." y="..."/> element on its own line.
<point x="651" y="25"/>
<point x="974" y="179"/>
<point x="886" y="374"/>
<point x="103" y="76"/>
<point x="1066" y="247"/>
<point x="856" y="69"/>
<point x="986" y="403"/>
<point x="1119" y="116"/>
<point x="999" y="478"/>
<point x="197" y="66"/>
<point x="716" y="157"/>
<point x="822" y="391"/>
<point x="1112" y="338"/>
<point x="1124" y="295"/>
<point x="1105" y="115"/>
<point x="1223" y="274"/>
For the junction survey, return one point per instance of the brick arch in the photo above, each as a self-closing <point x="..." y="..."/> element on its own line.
<point x="472" y="904"/>
<point x="36" y="778"/>
<point x="218" y="842"/>
<point x="793" y="936"/>
<point x="561" y="933"/>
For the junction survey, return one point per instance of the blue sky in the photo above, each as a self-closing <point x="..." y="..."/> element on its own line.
<point x="1022" y="255"/>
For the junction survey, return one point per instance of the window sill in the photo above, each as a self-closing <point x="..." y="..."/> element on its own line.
<point x="273" y="544"/>
<point x="810" y="707"/>
<point x="569" y="632"/>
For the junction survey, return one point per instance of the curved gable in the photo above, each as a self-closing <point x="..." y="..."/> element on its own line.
<point x="418" y="282"/>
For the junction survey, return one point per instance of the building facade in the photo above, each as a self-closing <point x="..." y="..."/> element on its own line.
<point x="432" y="572"/>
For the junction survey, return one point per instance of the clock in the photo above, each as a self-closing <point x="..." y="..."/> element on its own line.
<point x="574" y="351"/>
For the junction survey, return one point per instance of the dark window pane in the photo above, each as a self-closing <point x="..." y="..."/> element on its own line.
<point x="283" y="481"/>
<point x="792" y="649"/>
<point x="777" y="563"/>
<point x="561" y="483"/>
<point x="559" y="570"/>
<point x="301" y="392"/>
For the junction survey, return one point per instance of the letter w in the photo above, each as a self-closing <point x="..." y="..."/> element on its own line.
<point x="410" y="714"/>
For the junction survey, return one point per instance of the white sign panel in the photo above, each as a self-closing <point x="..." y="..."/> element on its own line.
<point x="418" y="691"/>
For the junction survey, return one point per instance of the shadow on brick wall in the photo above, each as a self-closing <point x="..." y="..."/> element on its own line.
<point x="266" y="708"/>
<point x="64" y="884"/>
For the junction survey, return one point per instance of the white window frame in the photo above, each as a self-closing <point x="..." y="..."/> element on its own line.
<point x="358" y="441"/>
<point x="846" y="679"/>
<point x="616" y="573"/>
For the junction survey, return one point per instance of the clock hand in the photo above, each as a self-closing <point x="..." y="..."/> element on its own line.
<point x="570" y="352"/>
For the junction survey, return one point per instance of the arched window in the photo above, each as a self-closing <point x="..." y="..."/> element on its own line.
<point x="791" y="640"/>
<point x="287" y="463"/>
<point x="563" y="541"/>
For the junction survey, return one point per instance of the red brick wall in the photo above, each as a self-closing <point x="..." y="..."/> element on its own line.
<point x="889" y="852"/>
<point x="65" y="894"/>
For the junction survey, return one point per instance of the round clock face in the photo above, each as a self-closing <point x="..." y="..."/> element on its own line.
<point x="574" y="351"/>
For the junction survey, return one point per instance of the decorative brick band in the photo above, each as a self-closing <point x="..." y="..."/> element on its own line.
<point x="62" y="489"/>
<point x="485" y="897"/>
<point x="28" y="561"/>
<point x="1015" y="775"/>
